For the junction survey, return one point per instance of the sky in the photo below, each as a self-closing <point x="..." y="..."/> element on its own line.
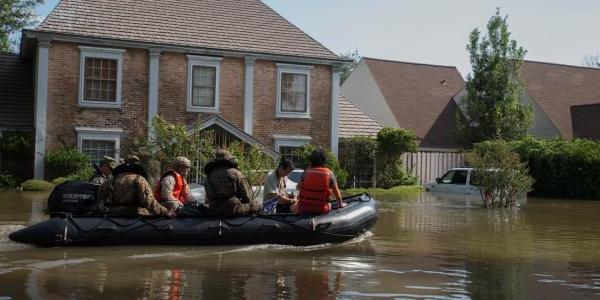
<point x="436" y="31"/>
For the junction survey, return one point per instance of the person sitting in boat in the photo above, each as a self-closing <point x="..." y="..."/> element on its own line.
<point x="227" y="189"/>
<point x="107" y="165"/>
<point x="129" y="194"/>
<point x="275" y="196"/>
<point x="173" y="191"/>
<point x="316" y="186"/>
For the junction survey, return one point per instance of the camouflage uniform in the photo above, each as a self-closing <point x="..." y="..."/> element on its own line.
<point x="130" y="194"/>
<point x="227" y="190"/>
<point x="98" y="178"/>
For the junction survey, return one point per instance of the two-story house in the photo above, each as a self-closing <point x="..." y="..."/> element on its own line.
<point x="104" y="69"/>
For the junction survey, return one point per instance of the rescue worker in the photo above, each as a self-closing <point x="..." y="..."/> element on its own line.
<point x="276" y="199"/>
<point x="173" y="191"/>
<point x="128" y="193"/>
<point x="227" y="189"/>
<point x="107" y="165"/>
<point x="316" y="186"/>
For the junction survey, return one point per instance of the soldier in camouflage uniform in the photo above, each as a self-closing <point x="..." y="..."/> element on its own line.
<point x="129" y="194"/>
<point x="107" y="165"/>
<point x="227" y="190"/>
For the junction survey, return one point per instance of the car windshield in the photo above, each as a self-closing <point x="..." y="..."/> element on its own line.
<point x="295" y="176"/>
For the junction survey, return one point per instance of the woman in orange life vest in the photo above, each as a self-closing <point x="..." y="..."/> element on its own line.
<point x="318" y="183"/>
<point x="173" y="191"/>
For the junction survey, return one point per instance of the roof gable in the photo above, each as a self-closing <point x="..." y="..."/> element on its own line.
<point x="235" y="25"/>
<point x="555" y="88"/>
<point x="419" y="95"/>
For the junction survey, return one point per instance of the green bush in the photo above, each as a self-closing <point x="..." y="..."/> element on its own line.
<point x="563" y="169"/>
<point x="36" y="185"/>
<point x="332" y="163"/>
<point x="393" y="142"/>
<point x="59" y="180"/>
<point x="394" y="175"/>
<point x="16" y="151"/>
<point x="8" y="181"/>
<point x="65" y="162"/>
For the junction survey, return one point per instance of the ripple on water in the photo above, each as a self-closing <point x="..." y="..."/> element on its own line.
<point x="5" y="243"/>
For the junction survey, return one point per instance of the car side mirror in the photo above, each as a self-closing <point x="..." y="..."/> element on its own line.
<point x="438" y="180"/>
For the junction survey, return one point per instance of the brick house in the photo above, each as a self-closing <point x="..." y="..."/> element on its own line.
<point x="105" y="68"/>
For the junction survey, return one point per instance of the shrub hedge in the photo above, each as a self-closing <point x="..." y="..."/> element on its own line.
<point x="36" y="185"/>
<point x="564" y="169"/>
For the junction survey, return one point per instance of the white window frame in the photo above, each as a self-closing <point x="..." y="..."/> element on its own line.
<point x="205" y="61"/>
<point x="290" y="141"/>
<point x="105" y="53"/>
<point x="293" y="69"/>
<point x="100" y="134"/>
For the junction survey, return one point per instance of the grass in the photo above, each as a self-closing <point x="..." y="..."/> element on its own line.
<point x="404" y="189"/>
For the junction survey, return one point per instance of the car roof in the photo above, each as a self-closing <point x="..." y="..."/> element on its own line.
<point x="461" y="169"/>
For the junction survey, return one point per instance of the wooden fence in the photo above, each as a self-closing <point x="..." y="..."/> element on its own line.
<point x="428" y="166"/>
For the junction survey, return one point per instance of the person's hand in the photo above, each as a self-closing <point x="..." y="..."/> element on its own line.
<point x="171" y="214"/>
<point x="343" y="204"/>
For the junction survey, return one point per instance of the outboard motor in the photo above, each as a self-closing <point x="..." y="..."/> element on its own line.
<point x="76" y="198"/>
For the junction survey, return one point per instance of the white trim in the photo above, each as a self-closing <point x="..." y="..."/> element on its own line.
<point x="206" y="61"/>
<point x="41" y="107"/>
<point x="100" y="134"/>
<point x="116" y="54"/>
<point x="290" y="141"/>
<point x="153" y="82"/>
<point x="293" y="69"/>
<point x="335" y="109"/>
<point x="249" y="95"/>
<point x="181" y="49"/>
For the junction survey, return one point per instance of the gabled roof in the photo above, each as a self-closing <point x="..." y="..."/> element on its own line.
<point x="222" y="123"/>
<point x="355" y="122"/>
<point x="555" y="88"/>
<point x="16" y="93"/>
<point x="235" y="25"/>
<point x="420" y="97"/>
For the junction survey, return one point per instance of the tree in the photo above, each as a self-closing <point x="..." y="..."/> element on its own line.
<point x="491" y="107"/>
<point x="348" y="68"/>
<point x="14" y="16"/>
<point x="391" y="144"/>
<point x="592" y="61"/>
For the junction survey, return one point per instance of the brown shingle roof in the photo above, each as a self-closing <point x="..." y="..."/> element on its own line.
<point x="420" y="97"/>
<point x="555" y="88"/>
<point x="16" y="93"/>
<point x="237" y="25"/>
<point x="354" y="122"/>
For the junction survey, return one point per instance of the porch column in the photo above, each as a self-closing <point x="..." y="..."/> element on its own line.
<point x="249" y="95"/>
<point x="335" y="114"/>
<point x="153" y="84"/>
<point x="41" y="106"/>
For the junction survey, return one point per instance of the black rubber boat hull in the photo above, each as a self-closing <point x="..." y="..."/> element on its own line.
<point x="286" y="229"/>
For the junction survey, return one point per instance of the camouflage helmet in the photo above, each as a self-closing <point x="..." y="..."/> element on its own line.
<point x="224" y="155"/>
<point x="181" y="161"/>
<point x="109" y="161"/>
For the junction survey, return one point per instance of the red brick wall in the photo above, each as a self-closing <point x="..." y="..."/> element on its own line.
<point x="265" y="101"/>
<point x="64" y="113"/>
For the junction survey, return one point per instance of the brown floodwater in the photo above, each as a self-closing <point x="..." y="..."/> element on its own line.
<point x="424" y="246"/>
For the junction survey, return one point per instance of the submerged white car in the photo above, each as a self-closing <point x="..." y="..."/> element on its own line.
<point x="456" y="180"/>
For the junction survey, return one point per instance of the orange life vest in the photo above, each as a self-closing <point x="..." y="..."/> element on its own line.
<point x="314" y="191"/>
<point x="178" y="189"/>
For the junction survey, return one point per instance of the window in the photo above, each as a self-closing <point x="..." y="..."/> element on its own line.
<point x="100" y="77"/>
<point x="293" y="91"/>
<point x="203" y="83"/>
<point x="286" y="145"/>
<point x="455" y="177"/>
<point x="99" y="142"/>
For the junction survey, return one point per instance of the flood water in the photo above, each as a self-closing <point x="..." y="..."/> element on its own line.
<point x="424" y="246"/>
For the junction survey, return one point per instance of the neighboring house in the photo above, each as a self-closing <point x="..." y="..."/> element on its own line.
<point x="106" y="68"/>
<point x="565" y="99"/>
<point x="408" y="95"/>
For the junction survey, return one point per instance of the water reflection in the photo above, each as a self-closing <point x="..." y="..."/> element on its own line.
<point x="423" y="246"/>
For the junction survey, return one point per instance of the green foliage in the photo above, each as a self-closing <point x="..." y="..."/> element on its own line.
<point x="60" y="180"/>
<point x="500" y="175"/>
<point x="397" y="190"/>
<point x="564" y="169"/>
<point x="65" y="161"/>
<point x="16" y="150"/>
<point x="8" y="181"/>
<point x="254" y="163"/>
<point x="82" y="174"/>
<point x="172" y="140"/>
<point x="332" y="163"/>
<point x="14" y="16"/>
<point x="348" y="68"/>
<point x="393" y="174"/>
<point x="36" y="185"/>
<point x="492" y="107"/>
